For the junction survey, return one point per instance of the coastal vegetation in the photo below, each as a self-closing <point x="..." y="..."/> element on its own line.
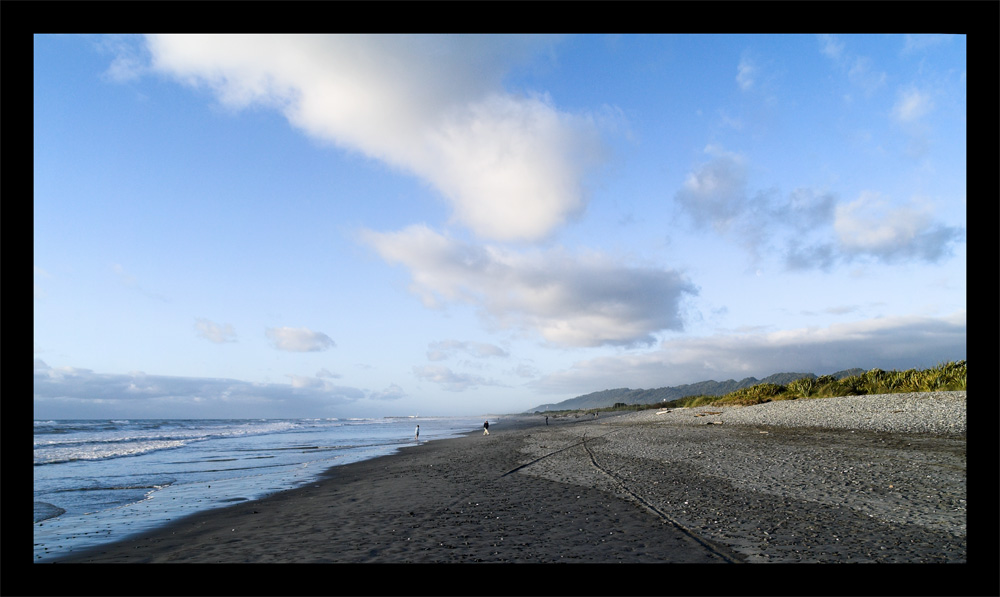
<point x="944" y="377"/>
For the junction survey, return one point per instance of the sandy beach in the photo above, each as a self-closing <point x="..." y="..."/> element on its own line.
<point x="687" y="486"/>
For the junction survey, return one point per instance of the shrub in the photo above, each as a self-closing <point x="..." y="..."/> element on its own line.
<point x="944" y="377"/>
<point x="804" y="387"/>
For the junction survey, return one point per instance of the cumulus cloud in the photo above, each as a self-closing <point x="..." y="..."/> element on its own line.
<point x="214" y="332"/>
<point x="511" y="166"/>
<point x="714" y="193"/>
<point x="570" y="300"/>
<point x="810" y="229"/>
<point x="887" y="343"/>
<point x="438" y="351"/>
<point x="872" y="226"/>
<point x="298" y="339"/>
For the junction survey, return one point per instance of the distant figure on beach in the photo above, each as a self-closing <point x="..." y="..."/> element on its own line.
<point x="416" y="434"/>
<point x="486" y="428"/>
<point x="546" y="420"/>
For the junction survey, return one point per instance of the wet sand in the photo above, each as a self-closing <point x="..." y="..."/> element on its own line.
<point x="675" y="487"/>
<point x="456" y="500"/>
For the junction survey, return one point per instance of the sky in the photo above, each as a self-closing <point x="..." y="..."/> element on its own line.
<point x="354" y="226"/>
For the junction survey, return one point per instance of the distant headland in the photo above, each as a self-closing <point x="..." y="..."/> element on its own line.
<point x="780" y="386"/>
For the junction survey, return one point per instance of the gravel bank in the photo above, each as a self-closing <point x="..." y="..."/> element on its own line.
<point x="916" y="412"/>
<point x="858" y="479"/>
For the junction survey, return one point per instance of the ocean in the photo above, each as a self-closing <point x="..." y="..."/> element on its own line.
<point x="98" y="481"/>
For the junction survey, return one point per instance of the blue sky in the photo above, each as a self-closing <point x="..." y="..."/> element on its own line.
<point x="242" y="226"/>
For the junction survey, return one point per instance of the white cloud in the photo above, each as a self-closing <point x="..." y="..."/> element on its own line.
<point x="214" y="332"/>
<point x="808" y="228"/>
<point x="912" y="105"/>
<point x="130" y="61"/>
<point x="887" y="343"/>
<point x="298" y="339"/>
<point x="870" y="225"/>
<point x="831" y="46"/>
<point x="910" y="113"/>
<point x="860" y="70"/>
<point x="304" y="381"/>
<point x="746" y="73"/>
<point x="570" y="300"/>
<point x="512" y="167"/>
<point x="715" y="192"/>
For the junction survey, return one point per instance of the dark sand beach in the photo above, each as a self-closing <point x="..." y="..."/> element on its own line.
<point x="678" y="487"/>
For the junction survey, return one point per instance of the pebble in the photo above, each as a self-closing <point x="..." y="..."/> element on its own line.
<point x="848" y="474"/>
<point x="912" y="412"/>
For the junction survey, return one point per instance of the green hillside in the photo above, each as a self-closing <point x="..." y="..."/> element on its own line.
<point x="780" y="386"/>
<point x="608" y="398"/>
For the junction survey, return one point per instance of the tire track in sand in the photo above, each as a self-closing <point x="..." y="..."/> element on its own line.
<point x="719" y="550"/>
<point x="722" y="552"/>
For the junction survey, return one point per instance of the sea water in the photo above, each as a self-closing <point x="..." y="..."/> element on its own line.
<point x="98" y="481"/>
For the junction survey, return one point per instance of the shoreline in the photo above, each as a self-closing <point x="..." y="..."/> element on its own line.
<point x="630" y="487"/>
<point x="103" y="498"/>
<point x="647" y="487"/>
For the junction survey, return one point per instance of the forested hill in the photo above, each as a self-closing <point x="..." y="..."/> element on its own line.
<point x="606" y="398"/>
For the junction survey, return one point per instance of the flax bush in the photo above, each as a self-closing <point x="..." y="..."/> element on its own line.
<point x="944" y="377"/>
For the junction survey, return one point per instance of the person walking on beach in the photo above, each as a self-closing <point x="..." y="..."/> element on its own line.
<point x="416" y="434"/>
<point x="486" y="428"/>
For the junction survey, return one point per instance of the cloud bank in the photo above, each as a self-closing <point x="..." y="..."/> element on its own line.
<point x="511" y="166"/>
<point x="570" y="300"/>
<point x="887" y="343"/>
<point x="69" y="392"/>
